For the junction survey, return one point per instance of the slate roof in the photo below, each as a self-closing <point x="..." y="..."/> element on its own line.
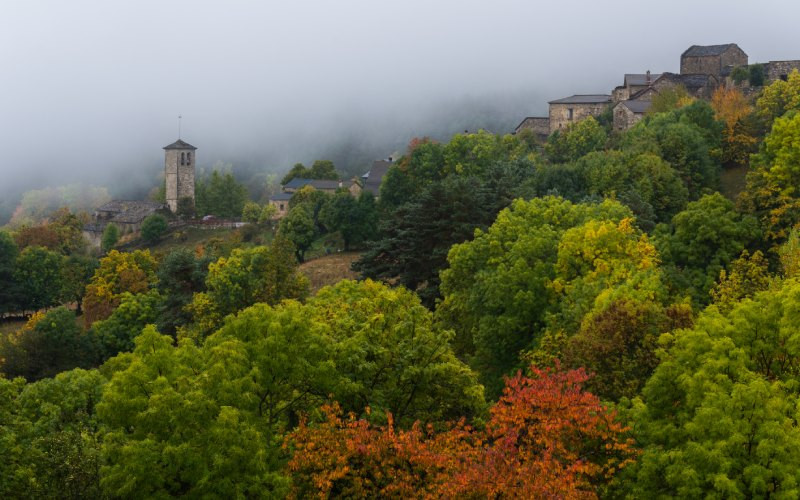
<point x="690" y="81"/>
<point x="707" y="50"/>
<point x="638" y="107"/>
<point x="281" y="197"/>
<point x="583" y="99"/>
<point x="299" y="182"/>
<point x="639" y="79"/>
<point x="374" y="177"/>
<point x="179" y="144"/>
<point x="129" y="212"/>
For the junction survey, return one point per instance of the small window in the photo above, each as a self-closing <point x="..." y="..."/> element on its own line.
<point x="569" y="110"/>
<point x="785" y="78"/>
<point x="188" y="158"/>
<point x="281" y="207"/>
<point x="183" y="159"/>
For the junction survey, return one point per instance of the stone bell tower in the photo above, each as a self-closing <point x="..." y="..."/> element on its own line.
<point x="179" y="161"/>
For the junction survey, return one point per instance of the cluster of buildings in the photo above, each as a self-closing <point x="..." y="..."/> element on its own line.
<point x="370" y="182"/>
<point x="703" y="68"/>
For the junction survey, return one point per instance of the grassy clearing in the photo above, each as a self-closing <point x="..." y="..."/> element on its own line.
<point x="330" y="269"/>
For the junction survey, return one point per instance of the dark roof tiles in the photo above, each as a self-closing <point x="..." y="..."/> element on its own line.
<point x="707" y="50"/>
<point x="180" y="144"/>
<point x="584" y="99"/>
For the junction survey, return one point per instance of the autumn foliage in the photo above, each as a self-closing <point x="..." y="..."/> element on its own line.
<point x="546" y="438"/>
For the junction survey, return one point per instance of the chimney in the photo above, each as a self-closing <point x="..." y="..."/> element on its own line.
<point x="648" y="77"/>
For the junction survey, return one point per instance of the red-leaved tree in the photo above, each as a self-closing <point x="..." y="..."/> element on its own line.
<point x="546" y="438"/>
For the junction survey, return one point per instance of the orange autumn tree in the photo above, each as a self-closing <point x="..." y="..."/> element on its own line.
<point x="733" y="109"/>
<point x="546" y="438"/>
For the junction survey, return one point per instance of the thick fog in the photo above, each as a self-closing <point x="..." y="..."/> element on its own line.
<point x="91" y="90"/>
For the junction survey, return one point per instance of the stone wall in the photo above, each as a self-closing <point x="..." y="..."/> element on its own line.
<point x="560" y="113"/>
<point x="539" y="125"/>
<point x="779" y="70"/>
<point x="713" y="65"/>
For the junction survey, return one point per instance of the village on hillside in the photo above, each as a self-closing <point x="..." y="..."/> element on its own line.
<point x="703" y="68"/>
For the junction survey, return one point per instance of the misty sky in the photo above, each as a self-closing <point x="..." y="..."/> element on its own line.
<point x="90" y="88"/>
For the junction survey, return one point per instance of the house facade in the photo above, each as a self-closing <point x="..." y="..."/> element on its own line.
<point x="712" y="59"/>
<point x="572" y="109"/>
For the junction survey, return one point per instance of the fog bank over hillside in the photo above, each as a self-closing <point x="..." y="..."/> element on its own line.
<point x="92" y="89"/>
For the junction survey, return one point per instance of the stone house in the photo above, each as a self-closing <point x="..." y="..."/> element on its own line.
<point x="701" y="86"/>
<point x="779" y="70"/>
<point x="629" y="113"/>
<point x="712" y="59"/>
<point x="281" y="203"/>
<point x="633" y="83"/>
<point x="374" y="177"/>
<point x="572" y="109"/>
<point x="127" y="215"/>
<point x="538" y="125"/>
<point x="281" y="200"/>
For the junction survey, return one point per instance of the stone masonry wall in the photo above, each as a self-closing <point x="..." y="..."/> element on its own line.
<point x="171" y="178"/>
<point x="559" y="113"/>
<point x="539" y="125"/>
<point x="775" y="70"/>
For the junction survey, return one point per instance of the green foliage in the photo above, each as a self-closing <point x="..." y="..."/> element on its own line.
<point x="756" y="75"/>
<point x="251" y="212"/>
<point x="744" y="277"/>
<point x="209" y="420"/>
<point x="38" y="274"/>
<point x="49" y="344"/>
<point x="49" y="437"/>
<point x="76" y="272"/>
<point x="298" y="227"/>
<point x="718" y="417"/>
<point x="321" y="169"/>
<point x="9" y="292"/>
<point x="265" y="274"/>
<point x="115" y="334"/>
<point x="701" y="241"/>
<point x="355" y="219"/>
<point x="391" y="357"/>
<point x="110" y="237"/>
<point x="414" y="238"/>
<point x="778" y="98"/>
<point x="219" y="194"/>
<point x="575" y="141"/>
<point x="153" y="228"/>
<point x="180" y="274"/>
<point x="669" y="99"/>
<point x="740" y="73"/>
<point x="497" y="291"/>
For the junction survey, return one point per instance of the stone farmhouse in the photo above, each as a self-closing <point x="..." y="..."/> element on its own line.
<point x="703" y="68"/>
<point x="370" y="182"/>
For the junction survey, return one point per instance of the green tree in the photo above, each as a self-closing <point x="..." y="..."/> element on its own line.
<point x="701" y="241"/>
<point x="153" y="228"/>
<point x="355" y="219"/>
<point x="262" y="274"/>
<point x="744" y="277"/>
<point x="49" y="436"/>
<point x="779" y="97"/>
<point x="575" y="141"/>
<point x="9" y="291"/>
<point x="220" y="194"/>
<point x="76" y="273"/>
<point x="298" y="228"/>
<point x="251" y="212"/>
<point x="180" y="274"/>
<point x="718" y="416"/>
<point x="323" y="169"/>
<point x="110" y="237"/>
<point x="115" y="334"/>
<point x="38" y="273"/>
<point x="771" y="193"/>
<point x="51" y="343"/>
<point x="670" y="99"/>
<point x="497" y="291"/>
